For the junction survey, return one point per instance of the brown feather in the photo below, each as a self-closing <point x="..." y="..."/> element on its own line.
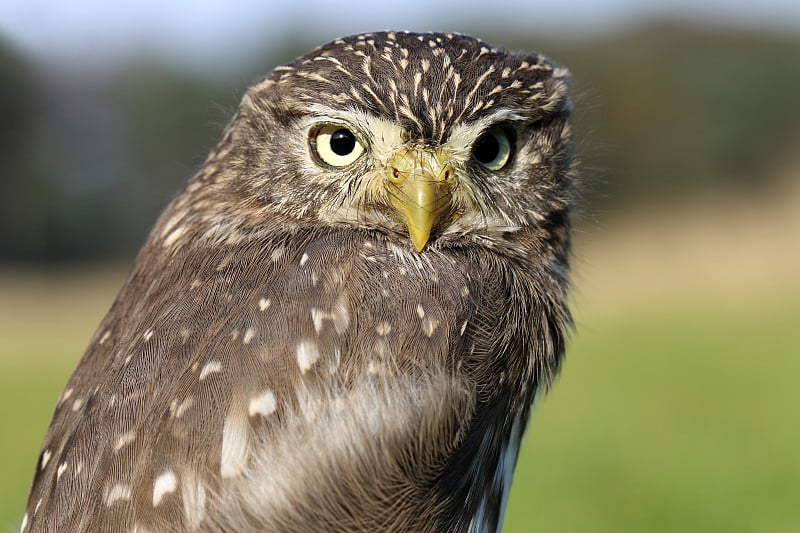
<point x="274" y="363"/>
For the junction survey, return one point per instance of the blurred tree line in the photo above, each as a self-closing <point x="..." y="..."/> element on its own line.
<point x="89" y="157"/>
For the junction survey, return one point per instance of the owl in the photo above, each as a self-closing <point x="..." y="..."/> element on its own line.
<point x="342" y="321"/>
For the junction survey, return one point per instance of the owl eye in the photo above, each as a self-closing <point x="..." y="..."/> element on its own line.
<point x="493" y="149"/>
<point x="335" y="145"/>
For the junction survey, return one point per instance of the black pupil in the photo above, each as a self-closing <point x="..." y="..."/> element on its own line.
<point x="342" y="142"/>
<point x="487" y="148"/>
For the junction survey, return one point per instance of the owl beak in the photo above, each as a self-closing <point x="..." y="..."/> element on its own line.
<point x="420" y="184"/>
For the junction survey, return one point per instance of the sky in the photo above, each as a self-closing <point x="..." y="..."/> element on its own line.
<point x="185" y="30"/>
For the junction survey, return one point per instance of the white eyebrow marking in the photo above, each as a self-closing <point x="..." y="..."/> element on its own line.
<point x="386" y="135"/>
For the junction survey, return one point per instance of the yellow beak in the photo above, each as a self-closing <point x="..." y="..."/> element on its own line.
<point x="419" y="184"/>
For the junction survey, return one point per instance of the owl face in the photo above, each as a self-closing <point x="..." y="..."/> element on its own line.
<point x="431" y="136"/>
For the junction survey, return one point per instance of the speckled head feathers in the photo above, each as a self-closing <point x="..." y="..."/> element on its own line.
<point x="427" y="82"/>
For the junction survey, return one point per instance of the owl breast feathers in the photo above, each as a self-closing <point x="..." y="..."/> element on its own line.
<point x="341" y="322"/>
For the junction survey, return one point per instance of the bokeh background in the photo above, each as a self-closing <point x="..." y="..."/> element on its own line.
<point x="679" y="405"/>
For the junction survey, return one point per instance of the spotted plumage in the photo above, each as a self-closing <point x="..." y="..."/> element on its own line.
<point x="342" y="321"/>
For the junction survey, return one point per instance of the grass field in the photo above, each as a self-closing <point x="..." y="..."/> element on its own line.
<point x="678" y="408"/>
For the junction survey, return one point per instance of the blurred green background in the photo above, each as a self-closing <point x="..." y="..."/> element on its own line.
<point x="678" y="408"/>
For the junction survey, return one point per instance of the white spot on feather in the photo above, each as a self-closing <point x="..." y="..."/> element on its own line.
<point x="375" y="368"/>
<point x="172" y="222"/>
<point x="211" y="367"/>
<point x="264" y="404"/>
<point x="234" y="446"/>
<point x="179" y="409"/>
<point x="118" y="492"/>
<point x="124" y="440"/>
<point x="307" y="355"/>
<point x="303" y="259"/>
<point x="194" y="502"/>
<point x="174" y="236"/>
<point x="383" y="328"/>
<point x="429" y="325"/>
<point x="309" y="404"/>
<point x="277" y="253"/>
<point x="248" y="335"/>
<point x="61" y="469"/>
<point x="339" y="315"/>
<point x="264" y="303"/>
<point x="67" y="394"/>
<point x="45" y="458"/>
<point x="164" y="484"/>
<point x="317" y="316"/>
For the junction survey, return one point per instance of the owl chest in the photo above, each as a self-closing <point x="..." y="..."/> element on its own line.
<point x="375" y="364"/>
<point x="369" y="305"/>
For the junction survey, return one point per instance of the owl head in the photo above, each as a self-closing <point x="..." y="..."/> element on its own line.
<point x="434" y="138"/>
